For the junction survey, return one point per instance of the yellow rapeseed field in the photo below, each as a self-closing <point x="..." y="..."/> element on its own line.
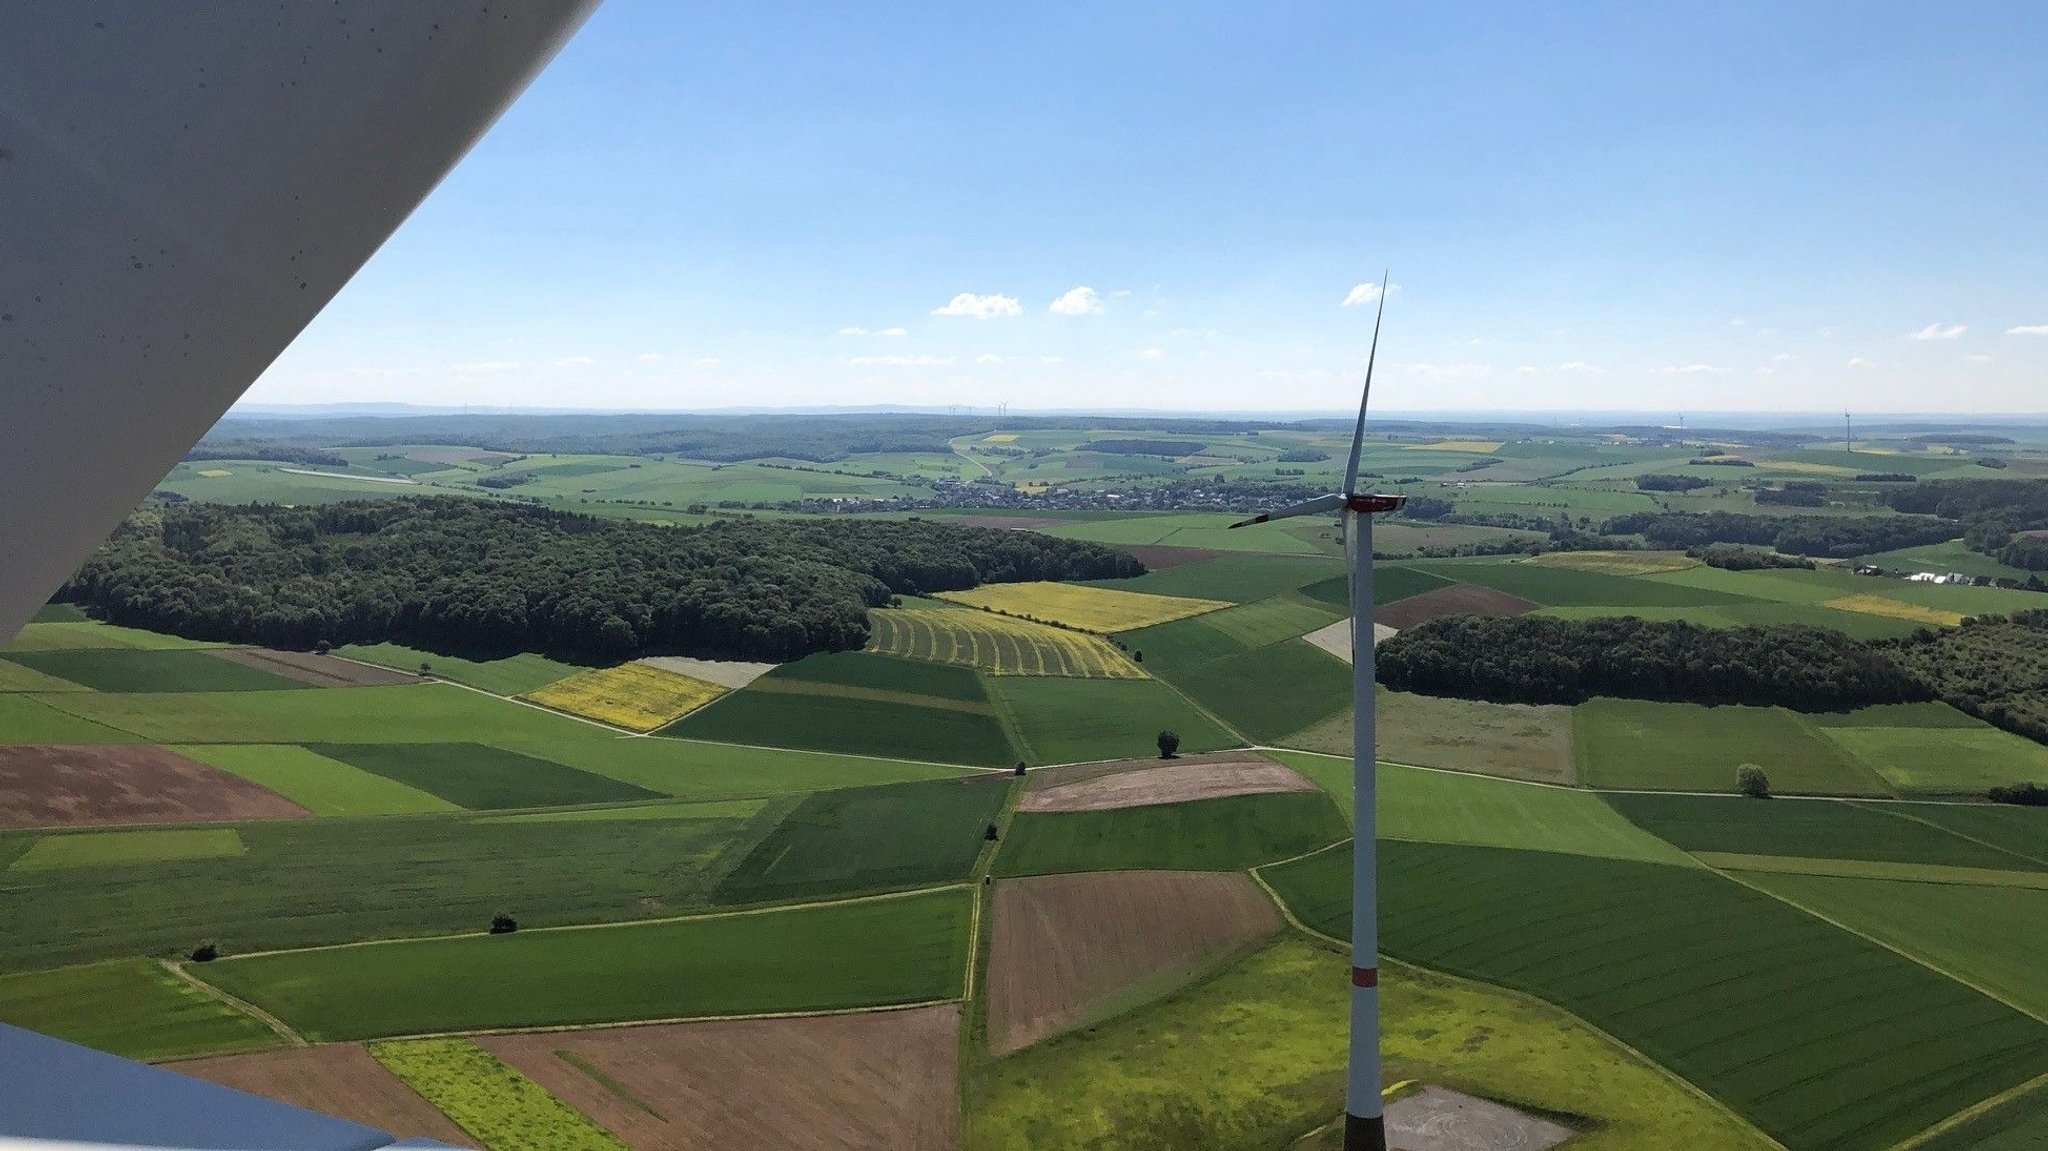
<point x="1000" y="438"/>
<point x="1000" y="644"/>
<point x="632" y="695"/>
<point x="1095" y="609"/>
<point x="215" y="473"/>
<point x="1616" y="563"/>
<point x="1807" y="467"/>
<point x="1879" y="605"/>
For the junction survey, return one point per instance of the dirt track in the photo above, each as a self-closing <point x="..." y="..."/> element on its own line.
<point x="1459" y="599"/>
<point x="881" y="1080"/>
<point x="1046" y="777"/>
<point x="1070" y="948"/>
<point x="125" y="783"/>
<point x="311" y="667"/>
<point x="340" y="1079"/>
<point x="1165" y="783"/>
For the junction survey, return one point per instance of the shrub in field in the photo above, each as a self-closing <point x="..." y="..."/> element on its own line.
<point x="503" y="924"/>
<point x="206" y="952"/>
<point x="2024" y="794"/>
<point x="1751" y="781"/>
<point x="1169" y="744"/>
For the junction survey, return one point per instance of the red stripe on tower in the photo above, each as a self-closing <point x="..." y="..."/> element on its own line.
<point x="1365" y="977"/>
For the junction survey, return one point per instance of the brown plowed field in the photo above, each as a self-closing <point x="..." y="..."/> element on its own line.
<point x="1048" y="777"/>
<point x="880" y="1080"/>
<point x="1159" y="556"/>
<point x="311" y="667"/>
<point x="1071" y="948"/>
<point x="1458" y="599"/>
<point x="1165" y="783"/>
<point x="340" y="1079"/>
<point x="125" y="783"/>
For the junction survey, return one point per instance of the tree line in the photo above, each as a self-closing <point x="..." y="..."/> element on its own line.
<point x="1835" y="537"/>
<point x="1994" y="515"/>
<point x="452" y="573"/>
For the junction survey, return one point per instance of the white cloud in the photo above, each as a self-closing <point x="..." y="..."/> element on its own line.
<point x="1081" y="301"/>
<point x="1860" y="362"/>
<point x="1979" y="358"/>
<point x="1937" y="332"/>
<point x="1451" y="373"/>
<point x="650" y="357"/>
<point x="1576" y="366"/>
<point x="1570" y="366"/>
<point x="1152" y="354"/>
<point x="900" y="361"/>
<point x="893" y="332"/>
<point x="988" y="358"/>
<point x="1738" y="322"/>
<point x="1120" y="293"/>
<point x="2028" y="330"/>
<point x="980" y="307"/>
<point x="1362" y="294"/>
<point x="853" y="330"/>
<point x="704" y="362"/>
<point x="1527" y="370"/>
<point x="484" y="368"/>
<point x="1694" y="370"/>
<point x="575" y="361"/>
<point x="1052" y="359"/>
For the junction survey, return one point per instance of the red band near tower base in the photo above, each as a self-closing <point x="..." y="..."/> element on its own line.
<point x="1365" y="977"/>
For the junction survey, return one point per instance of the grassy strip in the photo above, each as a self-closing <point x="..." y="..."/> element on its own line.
<point x="129" y="1007"/>
<point x="1874" y="869"/>
<point x="505" y="1110"/>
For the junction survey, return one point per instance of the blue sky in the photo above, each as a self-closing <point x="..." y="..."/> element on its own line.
<point x="1684" y="207"/>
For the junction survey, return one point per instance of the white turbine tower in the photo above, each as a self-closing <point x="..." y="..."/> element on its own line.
<point x="1364" y="1119"/>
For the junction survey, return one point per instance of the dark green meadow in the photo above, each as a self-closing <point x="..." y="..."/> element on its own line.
<point x="1061" y="720"/>
<point x="1812" y="829"/>
<point x="1825" y="1040"/>
<point x="482" y="778"/>
<point x="1228" y="834"/>
<point x="1389" y="585"/>
<point x="875" y="671"/>
<point x="1569" y="587"/>
<point x="1270" y="692"/>
<point x="2022" y="831"/>
<point x="118" y="670"/>
<point x="1240" y="578"/>
<point x="869" y="839"/>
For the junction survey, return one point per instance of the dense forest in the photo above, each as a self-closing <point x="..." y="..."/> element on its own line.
<point x="1995" y="515"/>
<point x="1994" y="667"/>
<point x="1837" y="537"/>
<point x="1537" y="659"/>
<point x="459" y="574"/>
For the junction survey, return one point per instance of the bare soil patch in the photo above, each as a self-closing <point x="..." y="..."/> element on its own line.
<point x="1336" y="638"/>
<point x="885" y="1080"/>
<point x="1068" y="949"/>
<point x="1165" y="783"/>
<point x="1458" y="599"/>
<point x="731" y="673"/>
<point x="340" y="1079"/>
<point x="314" y="668"/>
<point x="75" y="786"/>
<point x="1437" y="1119"/>
<point x="1162" y="556"/>
<point x="1042" y="778"/>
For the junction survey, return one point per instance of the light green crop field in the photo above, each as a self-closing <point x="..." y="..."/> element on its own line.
<point x="1272" y="620"/>
<point x="129" y="1007"/>
<point x="714" y="809"/>
<point x="1564" y="587"/>
<point x="1805" y="1029"/>
<point x="404" y="713"/>
<point x="1944" y="761"/>
<point x="16" y="677"/>
<point x="1991" y="936"/>
<point x="998" y="644"/>
<point x="1631" y="744"/>
<point x="1188" y="530"/>
<point x="869" y="839"/>
<point x="114" y="670"/>
<point x="1810" y="828"/>
<point x="66" y="635"/>
<point x="1511" y="740"/>
<point x="865" y="703"/>
<point x="1228" y="834"/>
<point x="498" y="1105"/>
<point x="511" y="675"/>
<point x="1442" y="807"/>
<point x="1180" y="644"/>
<point x="482" y="778"/>
<point x="910" y="949"/>
<point x="1072" y="721"/>
<point x="118" y="848"/>
<point x="321" y="785"/>
<point x="1271" y="692"/>
<point x="31" y="720"/>
<point x="694" y="770"/>
<point x="1240" y="578"/>
<point x="2022" y="831"/>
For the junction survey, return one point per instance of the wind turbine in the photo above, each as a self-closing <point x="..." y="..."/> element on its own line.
<point x="1365" y="1127"/>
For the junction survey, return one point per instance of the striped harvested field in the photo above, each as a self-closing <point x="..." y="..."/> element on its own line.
<point x="996" y="643"/>
<point x="1095" y="609"/>
<point x="634" y="695"/>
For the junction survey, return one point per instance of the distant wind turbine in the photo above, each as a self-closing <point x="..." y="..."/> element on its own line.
<point x="1365" y="1127"/>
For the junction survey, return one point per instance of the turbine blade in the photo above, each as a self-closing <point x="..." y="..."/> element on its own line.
<point x="1358" y="434"/>
<point x="1326" y="503"/>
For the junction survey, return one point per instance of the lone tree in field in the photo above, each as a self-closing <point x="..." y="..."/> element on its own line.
<point x="503" y="924"/>
<point x="1169" y="745"/>
<point x="206" y="952"/>
<point x="1751" y="781"/>
<point x="991" y="834"/>
<point x="1020" y="767"/>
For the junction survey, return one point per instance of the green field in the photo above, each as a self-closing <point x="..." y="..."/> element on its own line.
<point x="1269" y="693"/>
<point x="2020" y="830"/>
<point x="403" y="713"/>
<point x="321" y="785"/>
<point x="908" y="949"/>
<point x="2019" y="1125"/>
<point x="16" y="677"/>
<point x="692" y="770"/>
<point x="126" y="848"/>
<point x="1187" y="530"/>
<point x="1564" y="587"/>
<point x="714" y="809"/>
<point x="488" y="1099"/>
<point x="510" y="675"/>
<point x="131" y="1007"/>
<point x="1512" y="740"/>
<point x="873" y="671"/>
<point x="886" y="728"/>
<point x="1271" y="620"/>
<point x="152" y="671"/>
<point x="308" y="882"/>
<point x="1227" y="834"/>
<point x="1240" y="578"/>
<point x="31" y="720"/>
<point x="480" y="777"/>
<point x="1993" y="937"/>
<point x="868" y="839"/>
<point x="1807" y="1030"/>
<point x="1072" y="721"/>
<point x="1944" y="760"/>
<point x="1637" y="744"/>
<point x="65" y="635"/>
<point x="1953" y="556"/>
<point x="1810" y="828"/>
<point x="1443" y="807"/>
